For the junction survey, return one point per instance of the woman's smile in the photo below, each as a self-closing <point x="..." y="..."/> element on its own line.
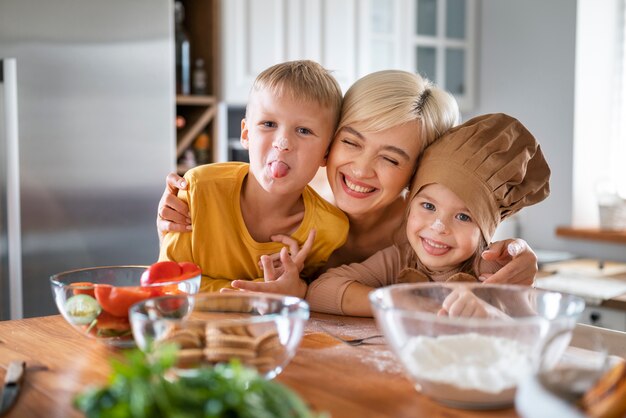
<point x="356" y="188"/>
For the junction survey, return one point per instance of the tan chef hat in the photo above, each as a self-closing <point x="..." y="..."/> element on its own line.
<point x="492" y="163"/>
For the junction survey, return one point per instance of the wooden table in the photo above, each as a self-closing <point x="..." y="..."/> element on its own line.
<point x="362" y="381"/>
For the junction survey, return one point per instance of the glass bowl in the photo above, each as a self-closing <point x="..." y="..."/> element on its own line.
<point x="468" y="345"/>
<point x="95" y="301"/>
<point x="262" y="331"/>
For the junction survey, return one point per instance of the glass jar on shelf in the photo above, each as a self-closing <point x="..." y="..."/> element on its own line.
<point x="199" y="77"/>
<point x="183" y="60"/>
<point x="201" y="148"/>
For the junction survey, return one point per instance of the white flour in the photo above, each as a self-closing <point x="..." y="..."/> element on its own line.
<point x="468" y="361"/>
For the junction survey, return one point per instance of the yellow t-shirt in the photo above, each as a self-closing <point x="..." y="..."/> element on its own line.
<point x="220" y="242"/>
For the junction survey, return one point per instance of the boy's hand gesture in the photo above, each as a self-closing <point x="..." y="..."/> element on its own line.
<point x="288" y="282"/>
<point x="298" y="255"/>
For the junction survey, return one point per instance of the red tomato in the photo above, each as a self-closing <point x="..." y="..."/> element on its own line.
<point x="164" y="270"/>
<point x="167" y="271"/>
<point x="145" y="278"/>
<point x="79" y="291"/>
<point x="117" y="300"/>
<point x="169" y="289"/>
<point x="189" y="268"/>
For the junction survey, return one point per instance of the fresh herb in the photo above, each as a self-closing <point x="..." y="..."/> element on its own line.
<point x="138" y="388"/>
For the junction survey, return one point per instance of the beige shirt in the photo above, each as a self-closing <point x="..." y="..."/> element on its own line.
<point x="325" y="294"/>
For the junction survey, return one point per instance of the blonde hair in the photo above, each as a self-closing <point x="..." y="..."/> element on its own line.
<point x="389" y="98"/>
<point x="302" y="80"/>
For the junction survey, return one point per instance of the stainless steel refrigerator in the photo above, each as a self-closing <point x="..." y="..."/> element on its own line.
<point x="86" y="139"/>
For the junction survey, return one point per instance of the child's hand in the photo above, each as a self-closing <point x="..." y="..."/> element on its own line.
<point x="463" y="303"/>
<point x="298" y="255"/>
<point x="288" y="282"/>
<point x="518" y="259"/>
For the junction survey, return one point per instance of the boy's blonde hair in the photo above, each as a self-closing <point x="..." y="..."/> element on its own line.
<point x="389" y="98"/>
<point x="302" y="80"/>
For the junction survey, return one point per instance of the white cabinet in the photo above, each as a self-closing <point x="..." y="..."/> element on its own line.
<point x="259" y="33"/>
<point x="604" y="317"/>
<point x="350" y="37"/>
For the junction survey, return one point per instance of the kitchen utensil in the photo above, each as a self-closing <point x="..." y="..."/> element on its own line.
<point x="474" y="361"/>
<point x="95" y="301"/>
<point x="260" y="330"/>
<point x="572" y="379"/>
<point x="569" y="383"/>
<point x="355" y="341"/>
<point x="12" y="384"/>
<point x="350" y="341"/>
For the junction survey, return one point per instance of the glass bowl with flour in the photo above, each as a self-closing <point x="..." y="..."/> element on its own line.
<point x="468" y="345"/>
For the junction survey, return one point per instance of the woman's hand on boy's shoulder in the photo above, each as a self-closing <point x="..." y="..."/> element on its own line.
<point x="519" y="262"/>
<point x="173" y="213"/>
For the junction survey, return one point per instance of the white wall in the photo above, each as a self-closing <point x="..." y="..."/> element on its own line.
<point x="526" y="67"/>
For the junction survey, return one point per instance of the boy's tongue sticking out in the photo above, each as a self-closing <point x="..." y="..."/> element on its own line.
<point x="279" y="169"/>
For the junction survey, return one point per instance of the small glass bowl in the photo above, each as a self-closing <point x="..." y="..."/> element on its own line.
<point x="262" y="331"/>
<point x="95" y="301"/>
<point x="474" y="359"/>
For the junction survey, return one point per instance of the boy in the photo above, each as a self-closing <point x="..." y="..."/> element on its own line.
<point x="236" y="208"/>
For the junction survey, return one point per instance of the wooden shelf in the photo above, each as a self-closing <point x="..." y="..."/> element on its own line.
<point x="202" y="23"/>
<point x="592" y="234"/>
<point x="197" y="120"/>
<point x="190" y="100"/>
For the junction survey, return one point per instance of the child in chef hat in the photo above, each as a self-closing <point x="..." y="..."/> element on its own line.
<point x="467" y="182"/>
<point x="237" y="208"/>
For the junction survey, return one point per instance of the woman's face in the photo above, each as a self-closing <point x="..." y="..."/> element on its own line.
<point x="367" y="171"/>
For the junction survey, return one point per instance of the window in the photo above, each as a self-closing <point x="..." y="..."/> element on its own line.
<point x="617" y="144"/>
<point x="434" y="38"/>
<point x="600" y="107"/>
<point x="442" y="42"/>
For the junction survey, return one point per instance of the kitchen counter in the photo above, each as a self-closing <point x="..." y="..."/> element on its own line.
<point x="346" y="381"/>
<point x="590" y="270"/>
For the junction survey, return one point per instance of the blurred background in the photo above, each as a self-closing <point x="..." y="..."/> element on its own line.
<point x="100" y="100"/>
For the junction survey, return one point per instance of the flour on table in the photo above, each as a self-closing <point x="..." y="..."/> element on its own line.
<point x="384" y="361"/>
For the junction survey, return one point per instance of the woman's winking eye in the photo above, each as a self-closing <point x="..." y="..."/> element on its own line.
<point x="349" y="142"/>
<point x="390" y="160"/>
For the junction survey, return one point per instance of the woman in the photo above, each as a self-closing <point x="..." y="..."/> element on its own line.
<point x="388" y="118"/>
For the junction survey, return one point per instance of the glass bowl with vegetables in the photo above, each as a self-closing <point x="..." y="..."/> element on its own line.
<point x="259" y="330"/>
<point x="95" y="301"/>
